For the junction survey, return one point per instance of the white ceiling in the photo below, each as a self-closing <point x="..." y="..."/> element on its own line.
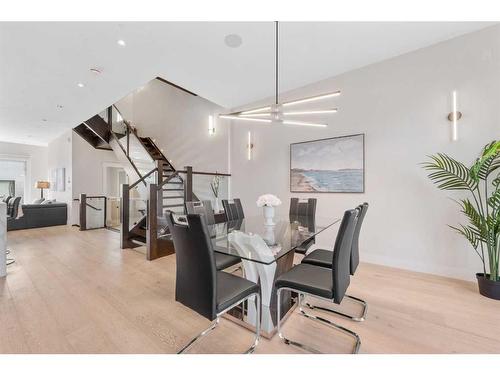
<point x="41" y="63"/>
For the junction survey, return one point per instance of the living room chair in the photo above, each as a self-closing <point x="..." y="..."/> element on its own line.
<point x="324" y="258"/>
<point x="328" y="284"/>
<point x="199" y="286"/>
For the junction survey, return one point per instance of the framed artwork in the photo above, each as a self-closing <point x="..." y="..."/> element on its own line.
<point x="58" y="179"/>
<point x="332" y="165"/>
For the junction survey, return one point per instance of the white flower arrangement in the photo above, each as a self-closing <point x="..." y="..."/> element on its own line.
<point x="268" y="200"/>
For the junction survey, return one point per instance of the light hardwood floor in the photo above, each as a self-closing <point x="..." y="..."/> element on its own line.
<point x="77" y="292"/>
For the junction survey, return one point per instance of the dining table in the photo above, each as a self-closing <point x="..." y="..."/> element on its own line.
<point x="266" y="252"/>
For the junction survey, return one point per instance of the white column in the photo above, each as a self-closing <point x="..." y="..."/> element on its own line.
<point x="3" y="239"/>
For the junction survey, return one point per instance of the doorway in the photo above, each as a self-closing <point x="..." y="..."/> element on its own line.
<point x="114" y="177"/>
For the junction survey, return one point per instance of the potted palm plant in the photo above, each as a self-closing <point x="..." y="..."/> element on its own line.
<point x="482" y="207"/>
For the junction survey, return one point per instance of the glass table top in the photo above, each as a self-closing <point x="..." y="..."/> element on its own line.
<point x="251" y="240"/>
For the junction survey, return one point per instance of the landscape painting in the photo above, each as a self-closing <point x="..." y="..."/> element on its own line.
<point x="333" y="165"/>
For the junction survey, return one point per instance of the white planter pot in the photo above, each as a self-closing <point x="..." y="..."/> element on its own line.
<point x="268" y="215"/>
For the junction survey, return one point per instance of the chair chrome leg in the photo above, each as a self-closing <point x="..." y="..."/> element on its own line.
<point x="281" y="335"/>
<point x="9" y="261"/>
<point x="353" y="334"/>
<point x="214" y="325"/>
<point x="359" y="318"/>
<point x="317" y="318"/>
<point x="257" y="325"/>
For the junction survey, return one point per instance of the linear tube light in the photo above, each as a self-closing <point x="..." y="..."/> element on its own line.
<point x="211" y="126"/>
<point x="318" y="112"/>
<point x="287" y="122"/>
<point x="312" y="99"/>
<point x="249" y="146"/>
<point x="231" y="117"/>
<point x="262" y="109"/>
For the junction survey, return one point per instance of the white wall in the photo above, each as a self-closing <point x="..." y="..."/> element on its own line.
<point x="60" y="156"/>
<point x="179" y="123"/>
<point x="88" y="170"/>
<point x="36" y="157"/>
<point x="88" y="167"/>
<point x="401" y="105"/>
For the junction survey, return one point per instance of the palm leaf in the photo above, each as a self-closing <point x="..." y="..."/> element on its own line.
<point x="448" y="173"/>
<point x="488" y="162"/>
<point x="494" y="200"/>
<point x="468" y="233"/>
<point x="473" y="215"/>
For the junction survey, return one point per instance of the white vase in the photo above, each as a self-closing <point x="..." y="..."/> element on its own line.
<point x="216" y="207"/>
<point x="268" y="215"/>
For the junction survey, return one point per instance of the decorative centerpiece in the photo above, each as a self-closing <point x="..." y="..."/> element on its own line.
<point x="268" y="202"/>
<point x="215" y="185"/>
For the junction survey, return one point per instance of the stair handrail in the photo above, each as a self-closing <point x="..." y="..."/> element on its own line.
<point x="125" y="152"/>
<point x="143" y="178"/>
<point x="165" y="181"/>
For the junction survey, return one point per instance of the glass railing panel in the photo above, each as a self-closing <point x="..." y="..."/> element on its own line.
<point x="95" y="208"/>
<point x="113" y="219"/>
<point x="117" y="123"/>
<point x="137" y="206"/>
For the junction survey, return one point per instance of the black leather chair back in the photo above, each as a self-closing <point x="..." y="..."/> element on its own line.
<point x="362" y="208"/>
<point x="196" y="275"/>
<point x="234" y="211"/>
<point x="13" y="207"/>
<point x="203" y="207"/>
<point x="342" y="255"/>
<point x="303" y="212"/>
<point x="298" y="208"/>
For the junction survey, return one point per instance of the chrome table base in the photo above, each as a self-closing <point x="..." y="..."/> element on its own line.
<point x="214" y="325"/>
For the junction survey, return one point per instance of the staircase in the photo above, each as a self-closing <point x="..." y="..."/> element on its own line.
<point x="139" y="156"/>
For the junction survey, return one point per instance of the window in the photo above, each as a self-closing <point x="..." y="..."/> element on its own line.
<point x="7" y="188"/>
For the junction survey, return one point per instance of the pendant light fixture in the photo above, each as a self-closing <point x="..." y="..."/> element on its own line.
<point x="283" y="113"/>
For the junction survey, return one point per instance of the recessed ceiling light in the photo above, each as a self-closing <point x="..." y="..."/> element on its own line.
<point x="44" y="120"/>
<point x="59" y="106"/>
<point x="233" y="40"/>
<point x="80" y="84"/>
<point x="121" y="43"/>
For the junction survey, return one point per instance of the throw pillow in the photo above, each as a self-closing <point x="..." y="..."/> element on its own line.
<point x="38" y="201"/>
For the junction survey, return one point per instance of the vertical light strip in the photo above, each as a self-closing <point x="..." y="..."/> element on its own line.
<point x="211" y="126"/>
<point x="454" y="129"/>
<point x="249" y="146"/>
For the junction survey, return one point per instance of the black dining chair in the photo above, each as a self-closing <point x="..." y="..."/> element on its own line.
<point x="222" y="261"/>
<point x="305" y="213"/>
<point x="199" y="286"/>
<point x="329" y="284"/>
<point x="233" y="211"/>
<point x="324" y="258"/>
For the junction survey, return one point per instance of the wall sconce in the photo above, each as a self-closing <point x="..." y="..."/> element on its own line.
<point x="211" y="125"/>
<point x="454" y="116"/>
<point x="249" y="146"/>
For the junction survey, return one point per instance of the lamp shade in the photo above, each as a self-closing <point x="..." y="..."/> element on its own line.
<point x="42" y="184"/>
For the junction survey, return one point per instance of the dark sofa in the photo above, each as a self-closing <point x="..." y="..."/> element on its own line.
<point x="40" y="215"/>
